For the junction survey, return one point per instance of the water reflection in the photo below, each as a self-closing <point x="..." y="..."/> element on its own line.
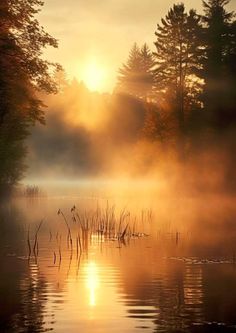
<point x="152" y="284"/>
<point x="92" y="281"/>
<point x="34" y="314"/>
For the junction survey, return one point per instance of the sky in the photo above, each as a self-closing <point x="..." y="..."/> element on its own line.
<point x="95" y="36"/>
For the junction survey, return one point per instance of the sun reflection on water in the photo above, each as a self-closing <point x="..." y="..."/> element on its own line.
<point x="92" y="282"/>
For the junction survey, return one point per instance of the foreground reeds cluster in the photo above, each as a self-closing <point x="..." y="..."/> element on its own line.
<point x="102" y="224"/>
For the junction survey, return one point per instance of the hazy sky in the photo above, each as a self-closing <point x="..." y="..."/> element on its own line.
<point x="95" y="36"/>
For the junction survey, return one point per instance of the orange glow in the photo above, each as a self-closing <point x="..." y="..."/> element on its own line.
<point x="92" y="282"/>
<point x="93" y="75"/>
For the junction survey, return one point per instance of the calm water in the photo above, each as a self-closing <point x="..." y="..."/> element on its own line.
<point x="176" y="273"/>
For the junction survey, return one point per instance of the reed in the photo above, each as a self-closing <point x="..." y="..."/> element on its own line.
<point x="68" y="227"/>
<point x="106" y="223"/>
<point x="28" y="242"/>
<point x="36" y="248"/>
<point x="59" y="250"/>
<point x="32" y="191"/>
<point x="101" y="224"/>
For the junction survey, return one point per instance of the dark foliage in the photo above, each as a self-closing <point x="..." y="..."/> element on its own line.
<point x="23" y="73"/>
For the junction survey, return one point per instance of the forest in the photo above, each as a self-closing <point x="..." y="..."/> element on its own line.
<point x="172" y="111"/>
<point x="117" y="166"/>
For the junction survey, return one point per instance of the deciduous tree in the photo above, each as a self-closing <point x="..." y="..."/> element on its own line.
<point x="23" y="74"/>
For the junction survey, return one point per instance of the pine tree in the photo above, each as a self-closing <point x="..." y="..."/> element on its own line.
<point x="146" y="73"/>
<point x="219" y="64"/>
<point x="23" y="73"/>
<point x="136" y="76"/>
<point x="178" y="54"/>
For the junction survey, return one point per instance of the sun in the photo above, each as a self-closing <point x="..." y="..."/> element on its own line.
<point x="94" y="76"/>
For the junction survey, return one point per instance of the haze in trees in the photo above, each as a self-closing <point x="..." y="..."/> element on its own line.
<point x="117" y="166"/>
<point x="183" y="87"/>
<point x="23" y="73"/>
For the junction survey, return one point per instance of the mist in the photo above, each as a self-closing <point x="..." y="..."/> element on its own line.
<point x="86" y="134"/>
<point x="89" y="135"/>
<point x="117" y="186"/>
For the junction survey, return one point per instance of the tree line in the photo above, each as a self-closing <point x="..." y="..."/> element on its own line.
<point x="189" y="79"/>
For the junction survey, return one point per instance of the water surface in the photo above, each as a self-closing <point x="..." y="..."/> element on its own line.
<point x="176" y="271"/>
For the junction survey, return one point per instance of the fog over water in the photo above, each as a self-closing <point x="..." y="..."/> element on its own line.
<point x="117" y="173"/>
<point x="176" y="272"/>
<point x="91" y="136"/>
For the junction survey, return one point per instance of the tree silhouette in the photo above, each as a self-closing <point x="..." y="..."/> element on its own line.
<point x="219" y="64"/>
<point x="178" y="54"/>
<point x="23" y="73"/>
<point x="136" y="77"/>
<point x="147" y="76"/>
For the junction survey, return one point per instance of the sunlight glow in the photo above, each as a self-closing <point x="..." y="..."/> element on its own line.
<point x="92" y="282"/>
<point x="93" y="76"/>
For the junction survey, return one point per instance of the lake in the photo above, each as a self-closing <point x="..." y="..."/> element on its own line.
<point x="103" y="257"/>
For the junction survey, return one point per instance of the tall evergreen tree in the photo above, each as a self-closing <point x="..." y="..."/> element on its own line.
<point x="219" y="70"/>
<point x="23" y="73"/>
<point x="136" y="77"/>
<point x="147" y="76"/>
<point x="178" y="54"/>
